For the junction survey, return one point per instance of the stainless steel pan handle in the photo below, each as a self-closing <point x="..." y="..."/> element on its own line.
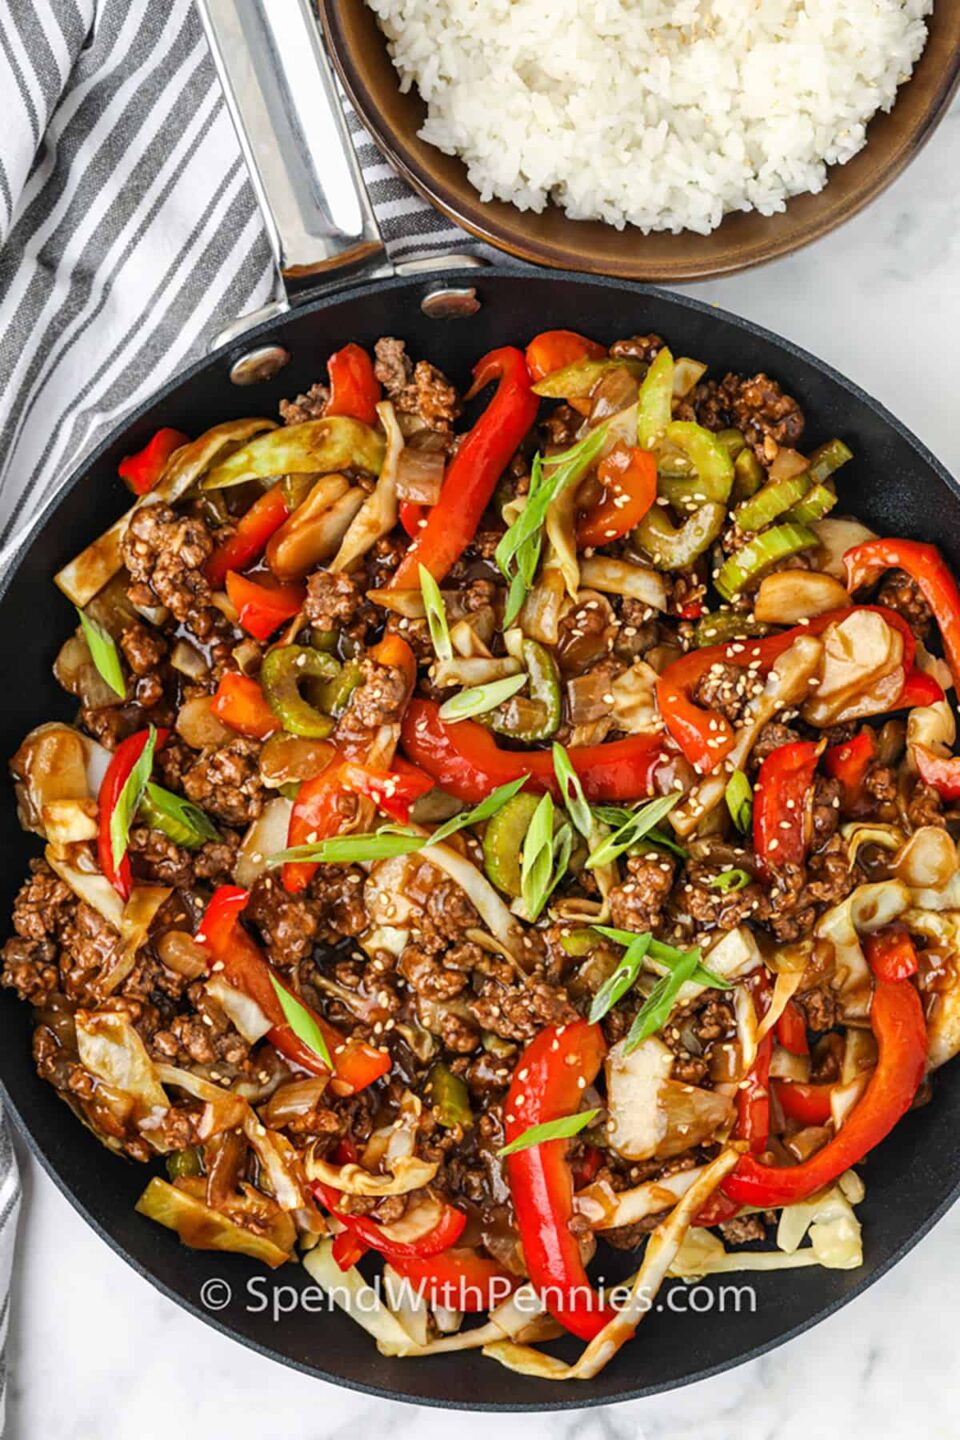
<point x="282" y="97"/>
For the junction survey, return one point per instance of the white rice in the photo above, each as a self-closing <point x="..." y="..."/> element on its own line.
<point x="665" y="114"/>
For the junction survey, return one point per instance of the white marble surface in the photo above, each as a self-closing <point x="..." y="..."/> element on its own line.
<point x="96" y="1354"/>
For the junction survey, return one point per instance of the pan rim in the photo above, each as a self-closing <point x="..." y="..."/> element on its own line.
<point x="581" y="1398"/>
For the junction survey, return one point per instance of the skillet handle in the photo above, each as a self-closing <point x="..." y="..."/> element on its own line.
<point x="282" y="98"/>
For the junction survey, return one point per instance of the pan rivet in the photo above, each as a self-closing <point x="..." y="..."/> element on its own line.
<point x="259" y="365"/>
<point x="448" y="302"/>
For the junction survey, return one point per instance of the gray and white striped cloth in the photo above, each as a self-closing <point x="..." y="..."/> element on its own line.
<point x="129" y="235"/>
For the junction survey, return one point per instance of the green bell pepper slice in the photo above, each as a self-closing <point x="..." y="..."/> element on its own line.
<point x="503" y="842"/>
<point x="543" y="689"/>
<point x="670" y="548"/>
<point x="448" y="1097"/>
<point x="764" y="550"/>
<point x="281" y="674"/>
<point x="655" y="402"/>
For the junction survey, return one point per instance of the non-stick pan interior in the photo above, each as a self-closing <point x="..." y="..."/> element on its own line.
<point x="893" y="484"/>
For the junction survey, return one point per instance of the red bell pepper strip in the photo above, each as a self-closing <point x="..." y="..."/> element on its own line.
<point x="413" y="517"/>
<point x="347" y="1249"/>
<point x="354" y="387"/>
<point x="896" y="1015"/>
<point x="143" y="470"/>
<point x="392" y="791"/>
<point x="445" y="1233"/>
<point x="807" y="1104"/>
<point x="556" y="1068"/>
<point x="691" y="611"/>
<point x="629" y="479"/>
<point x="248" y="541"/>
<point x="317" y="814"/>
<point x="781" y="831"/>
<point x="464" y="759"/>
<point x="556" y="349"/>
<point x="920" y="689"/>
<point x="124" y="758"/>
<point x="891" y="953"/>
<point x="706" y="737"/>
<point x="791" y="1029"/>
<point x="394" y="650"/>
<point x="459" y="1278"/>
<point x="473" y="472"/>
<point x="261" y="609"/>
<point x="924" y="564"/>
<point x="940" y="771"/>
<point x="243" y="964"/>
<point x="753" y="1093"/>
<point x="849" y="763"/>
<point x="240" y="703"/>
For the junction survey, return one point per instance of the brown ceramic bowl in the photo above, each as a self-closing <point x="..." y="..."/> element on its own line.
<point x="360" y="54"/>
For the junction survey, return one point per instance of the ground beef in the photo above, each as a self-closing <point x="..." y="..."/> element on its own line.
<point x="771" y="737"/>
<point x="378" y="700"/>
<point x="426" y="972"/>
<point x="165" y="554"/>
<point x="880" y="783"/>
<point x="710" y="1020"/>
<point x="306" y="407"/>
<point x="586" y="635"/>
<point x="825" y="814"/>
<point x="143" y="648"/>
<point x="799" y="893"/>
<point x="420" y="390"/>
<point x="519" y="1012"/>
<point x="109" y="724"/>
<point x="201" y="1037"/>
<point x="287" y="923"/>
<point x="226" y="782"/>
<point x="727" y="690"/>
<point x="338" y="893"/>
<point x="335" y="601"/>
<point x="30" y="968"/>
<point x="925" y="807"/>
<point x="560" y="427"/>
<point x="487" y="1075"/>
<point x="449" y="912"/>
<point x="759" y="408"/>
<point x="819" y="1007"/>
<point x="717" y="909"/>
<point x="56" y="929"/>
<point x="743" y="1229"/>
<point x="637" y="347"/>
<point x="901" y="592"/>
<point x="637" y="903"/>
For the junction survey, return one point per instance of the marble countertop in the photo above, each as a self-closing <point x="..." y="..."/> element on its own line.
<point x="96" y="1354"/>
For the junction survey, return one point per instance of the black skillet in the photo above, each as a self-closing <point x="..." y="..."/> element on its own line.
<point x="894" y="484"/>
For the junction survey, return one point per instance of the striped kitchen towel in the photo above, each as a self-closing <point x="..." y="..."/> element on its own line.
<point x="129" y="233"/>
<point x="129" y="236"/>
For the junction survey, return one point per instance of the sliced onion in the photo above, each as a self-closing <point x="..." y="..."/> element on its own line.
<point x="474" y="671"/>
<point x="608" y="1209"/>
<point x="68" y="822"/>
<point x="377" y="514"/>
<point x="789" y="596"/>
<point x="199" y="727"/>
<point x="409" y="1173"/>
<point x="265" y="837"/>
<point x="55" y="762"/>
<point x="485" y="899"/>
<point x="473" y="635"/>
<point x="862" y="670"/>
<point x="187" y="659"/>
<point x="545" y="605"/>
<point x="928" y="860"/>
<point x="297" y="1098"/>
<point x="836" y="537"/>
<point x="288" y="759"/>
<point x="92" y="888"/>
<point x="408" y="603"/>
<point x="111" y="1049"/>
<point x="245" y="1014"/>
<point x="634" y="694"/>
<point x="620" y="577"/>
<point x="686" y="374"/>
<point x="589" y="697"/>
<point x="420" y="475"/>
<point x="180" y="952"/>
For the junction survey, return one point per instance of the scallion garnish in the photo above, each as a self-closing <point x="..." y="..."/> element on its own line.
<point x="625" y="975"/>
<point x="181" y="821"/>
<point x="656" y="1009"/>
<point x="391" y="840"/>
<point x="518" y="553"/>
<point x="104" y="654"/>
<point x="729" y="881"/>
<point x="633" y="830"/>
<point x="571" y="792"/>
<point x="739" y="798"/>
<point x="436" y="615"/>
<point x="544" y="858"/>
<point x="660" y="953"/>
<point x="302" y="1023"/>
<point x="560" y="1129"/>
<point x="481" y="699"/>
<point x="128" y="801"/>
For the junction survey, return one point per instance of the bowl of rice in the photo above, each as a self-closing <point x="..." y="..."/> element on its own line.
<point x="661" y="140"/>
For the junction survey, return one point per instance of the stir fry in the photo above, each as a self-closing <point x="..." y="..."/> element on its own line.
<point x="495" y="827"/>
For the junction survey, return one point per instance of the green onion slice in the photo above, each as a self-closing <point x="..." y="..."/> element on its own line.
<point x="656" y="1009"/>
<point x="182" y="821"/>
<point x="739" y="798"/>
<point x="436" y="615"/>
<point x="104" y="654"/>
<point x="625" y="975"/>
<point x="572" y="792"/>
<point x="560" y="1129"/>
<point x="729" y="881"/>
<point x="128" y="801"/>
<point x="481" y="699"/>
<point x="634" y="829"/>
<point x="302" y="1023"/>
